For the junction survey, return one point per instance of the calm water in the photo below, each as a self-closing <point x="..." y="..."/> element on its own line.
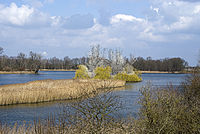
<point x="23" y="78"/>
<point x="129" y="97"/>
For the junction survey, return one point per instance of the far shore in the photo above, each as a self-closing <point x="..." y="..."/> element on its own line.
<point x="57" y="70"/>
<point x="17" y="72"/>
<point x="32" y="72"/>
<point x="161" y="72"/>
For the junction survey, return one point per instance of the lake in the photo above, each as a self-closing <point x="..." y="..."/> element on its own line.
<point x="30" y="112"/>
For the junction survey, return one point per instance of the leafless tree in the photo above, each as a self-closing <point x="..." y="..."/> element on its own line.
<point x="103" y="57"/>
<point x="1" y="50"/>
<point x="21" y="58"/>
<point x="34" y="62"/>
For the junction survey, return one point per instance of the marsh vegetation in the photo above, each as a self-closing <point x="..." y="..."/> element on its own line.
<point x="168" y="110"/>
<point x="51" y="90"/>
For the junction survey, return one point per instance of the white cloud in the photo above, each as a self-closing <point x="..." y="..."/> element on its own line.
<point x="123" y="17"/>
<point x="23" y="16"/>
<point x="14" y="15"/>
<point x="177" y="17"/>
<point x="197" y="9"/>
<point x="171" y="22"/>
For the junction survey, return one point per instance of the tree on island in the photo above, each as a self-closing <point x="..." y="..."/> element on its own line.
<point x="99" y="57"/>
<point x="102" y="61"/>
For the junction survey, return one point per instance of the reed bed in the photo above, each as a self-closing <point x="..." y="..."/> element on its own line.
<point x="51" y="90"/>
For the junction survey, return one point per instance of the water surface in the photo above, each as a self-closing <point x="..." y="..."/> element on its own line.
<point x="28" y="113"/>
<point x="23" y="78"/>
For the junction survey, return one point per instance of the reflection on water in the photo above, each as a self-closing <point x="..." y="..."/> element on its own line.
<point x="30" y="112"/>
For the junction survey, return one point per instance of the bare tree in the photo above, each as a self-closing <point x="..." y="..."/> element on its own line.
<point x="103" y="57"/>
<point x="34" y="61"/>
<point x="1" y="50"/>
<point x="94" y="57"/>
<point x="21" y="58"/>
<point x="117" y="61"/>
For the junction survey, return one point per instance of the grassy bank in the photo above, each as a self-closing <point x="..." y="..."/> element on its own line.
<point x="17" y="72"/>
<point x="163" y="72"/>
<point x="32" y="72"/>
<point x="51" y="90"/>
<point x="57" y="70"/>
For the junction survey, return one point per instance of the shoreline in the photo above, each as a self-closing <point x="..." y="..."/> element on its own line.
<point x="71" y="70"/>
<point x="162" y="72"/>
<point x="64" y="70"/>
<point x="17" y="72"/>
<point x="32" y="72"/>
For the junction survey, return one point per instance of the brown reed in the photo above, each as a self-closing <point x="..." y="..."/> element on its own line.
<point x="51" y="90"/>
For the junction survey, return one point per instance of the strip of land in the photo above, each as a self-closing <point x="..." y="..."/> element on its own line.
<point x="161" y="72"/>
<point x="17" y="72"/>
<point x="32" y="72"/>
<point x="57" y="70"/>
<point x="52" y="90"/>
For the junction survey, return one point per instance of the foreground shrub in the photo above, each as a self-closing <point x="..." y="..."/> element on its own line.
<point x="191" y="87"/>
<point x="103" y="73"/>
<point x="93" y="115"/>
<point x="166" y="111"/>
<point x="128" y="77"/>
<point x="81" y="72"/>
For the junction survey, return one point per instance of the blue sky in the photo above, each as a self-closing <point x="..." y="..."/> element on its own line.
<point x="156" y="28"/>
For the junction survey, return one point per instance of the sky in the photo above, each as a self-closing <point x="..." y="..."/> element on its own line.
<point x="155" y="28"/>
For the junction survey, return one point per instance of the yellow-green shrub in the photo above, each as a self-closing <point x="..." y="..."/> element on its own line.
<point x="103" y="73"/>
<point x="128" y="77"/>
<point x="81" y="72"/>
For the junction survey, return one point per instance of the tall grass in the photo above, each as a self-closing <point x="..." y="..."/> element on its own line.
<point x="51" y="90"/>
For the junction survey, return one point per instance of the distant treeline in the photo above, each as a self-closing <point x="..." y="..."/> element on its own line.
<point x="35" y="61"/>
<point x="167" y="64"/>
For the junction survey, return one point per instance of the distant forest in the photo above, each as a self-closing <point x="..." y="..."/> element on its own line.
<point x="167" y="64"/>
<point x="35" y="61"/>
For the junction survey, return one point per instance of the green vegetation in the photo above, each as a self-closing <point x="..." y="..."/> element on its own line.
<point x="103" y="73"/>
<point x="81" y="72"/>
<point x="127" y="77"/>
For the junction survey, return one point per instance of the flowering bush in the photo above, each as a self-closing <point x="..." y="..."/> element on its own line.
<point x="128" y="77"/>
<point x="103" y="73"/>
<point x="81" y="72"/>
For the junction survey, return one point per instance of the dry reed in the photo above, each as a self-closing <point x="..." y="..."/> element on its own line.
<point x="51" y="90"/>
